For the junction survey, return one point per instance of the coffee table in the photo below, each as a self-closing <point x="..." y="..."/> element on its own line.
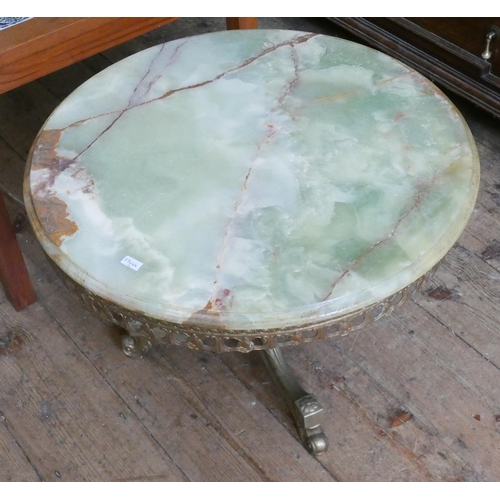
<point x="251" y="190"/>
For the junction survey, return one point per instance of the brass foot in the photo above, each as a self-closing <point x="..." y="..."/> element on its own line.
<point x="308" y="417"/>
<point x="306" y="410"/>
<point x="135" y="346"/>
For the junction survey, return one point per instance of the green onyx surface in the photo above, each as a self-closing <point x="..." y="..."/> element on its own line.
<point x="263" y="179"/>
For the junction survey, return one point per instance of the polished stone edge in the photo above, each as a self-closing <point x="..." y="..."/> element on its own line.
<point x="221" y="339"/>
<point x="145" y="331"/>
<point x="442" y="248"/>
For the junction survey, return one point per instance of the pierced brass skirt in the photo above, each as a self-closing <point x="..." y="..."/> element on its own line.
<point x="145" y="331"/>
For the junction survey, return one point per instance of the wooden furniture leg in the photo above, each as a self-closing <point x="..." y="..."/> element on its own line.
<point x="241" y="23"/>
<point x="13" y="273"/>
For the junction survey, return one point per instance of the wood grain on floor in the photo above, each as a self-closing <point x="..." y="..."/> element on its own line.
<point x="415" y="397"/>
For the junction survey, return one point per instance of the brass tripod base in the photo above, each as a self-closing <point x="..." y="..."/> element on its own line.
<point x="306" y="410"/>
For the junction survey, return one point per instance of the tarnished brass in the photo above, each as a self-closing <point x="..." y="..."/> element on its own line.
<point x="305" y="408"/>
<point x="153" y="331"/>
<point x="135" y="346"/>
<point x="492" y="34"/>
<point x="142" y="332"/>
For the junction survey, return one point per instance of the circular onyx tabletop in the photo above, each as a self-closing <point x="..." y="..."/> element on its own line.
<point x="252" y="179"/>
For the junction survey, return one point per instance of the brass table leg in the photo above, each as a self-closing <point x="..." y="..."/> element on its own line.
<point x="306" y="410"/>
<point x="135" y="346"/>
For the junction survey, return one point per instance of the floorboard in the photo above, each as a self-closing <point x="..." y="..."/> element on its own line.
<point x="415" y="397"/>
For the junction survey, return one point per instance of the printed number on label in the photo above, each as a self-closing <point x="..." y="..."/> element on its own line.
<point x="132" y="263"/>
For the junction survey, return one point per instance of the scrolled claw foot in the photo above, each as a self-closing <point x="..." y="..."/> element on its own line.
<point x="308" y="417"/>
<point x="317" y="444"/>
<point x="134" y="346"/>
<point x="306" y="409"/>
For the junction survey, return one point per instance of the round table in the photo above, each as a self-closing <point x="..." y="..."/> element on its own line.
<point x="251" y="189"/>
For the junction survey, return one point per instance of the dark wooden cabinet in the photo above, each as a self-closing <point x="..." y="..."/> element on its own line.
<point x="450" y="51"/>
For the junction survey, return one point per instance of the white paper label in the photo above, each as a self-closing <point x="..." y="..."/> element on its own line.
<point x="132" y="263"/>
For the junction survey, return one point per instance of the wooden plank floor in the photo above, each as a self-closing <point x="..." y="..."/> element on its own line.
<point x="415" y="397"/>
